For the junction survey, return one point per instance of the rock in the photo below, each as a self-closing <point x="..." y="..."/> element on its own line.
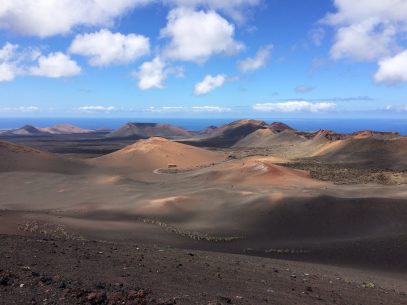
<point x="96" y="297"/>
<point x="46" y="280"/>
<point x="140" y="294"/>
<point x="100" y="285"/>
<point x="4" y="281"/>
<point x="225" y="300"/>
<point x="168" y="302"/>
<point x="62" y="285"/>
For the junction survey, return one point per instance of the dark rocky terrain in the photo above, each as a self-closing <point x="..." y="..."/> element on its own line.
<point x="89" y="272"/>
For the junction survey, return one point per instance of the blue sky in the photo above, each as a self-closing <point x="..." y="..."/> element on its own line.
<point x="203" y="58"/>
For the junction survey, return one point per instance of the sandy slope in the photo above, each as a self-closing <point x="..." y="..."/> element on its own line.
<point x="259" y="171"/>
<point x="367" y="151"/>
<point x="288" y="144"/>
<point x="268" y="137"/>
<point x="154" y="153"/>
<point x="15" y="157"/>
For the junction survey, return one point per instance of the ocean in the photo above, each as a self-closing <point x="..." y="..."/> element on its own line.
<point x="305" y="124"/>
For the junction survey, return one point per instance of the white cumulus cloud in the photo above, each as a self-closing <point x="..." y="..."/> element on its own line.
<point x="151" y="74"/>
<point x="362" y="41"/>
<point x="257" y="62"/>
<point x="8" y="72"/>
<point x="8" y="62"/>
<point x="209" y="84"/>
<point x="197" y="35"/>
<point x="105" y="48"/>
<point x="55" y="65"/>
<point x="371" y="30"/>
<point x="392" y="70"/>
<point x="15" y="62"/>
<point x="52" y="17"/>
<point x="295" y="106"/>
<point x="367" y="29"/>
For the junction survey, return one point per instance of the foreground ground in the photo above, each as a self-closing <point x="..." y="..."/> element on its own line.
<point x="88" y="272"/>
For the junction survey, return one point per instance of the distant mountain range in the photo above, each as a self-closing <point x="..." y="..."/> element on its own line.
<point x="29" y="130"/>
<point x="368" y="148"/>
<point x="364" y="148"/>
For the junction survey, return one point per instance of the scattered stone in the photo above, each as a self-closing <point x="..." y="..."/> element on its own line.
<point x="4" y="281"/>
<point x="100" y="285"/>
<point x="226" y="300"/>
<point x="168" y="302"/>
<point x="141" y="294"/>
<point x="46" y="280"/>
<point x="96" y="297"/>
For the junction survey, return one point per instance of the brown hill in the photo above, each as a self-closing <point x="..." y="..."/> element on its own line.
<point x="15" y="157"/>
<point x="327" y="134"/>
<point x="155" y="153"/>
<point x="27" y="130"/>
<point x="279" y="127"/>
<point x="147" y="130"/>
<point x="65" y="129"/>
<point x="375" y="134"/>
<point x="209" y="131"/>
<point x="256" y="171"/>
<point x="269" y="137"/>
<point x="367" y="151"/>
<point x="229" y="134"/>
